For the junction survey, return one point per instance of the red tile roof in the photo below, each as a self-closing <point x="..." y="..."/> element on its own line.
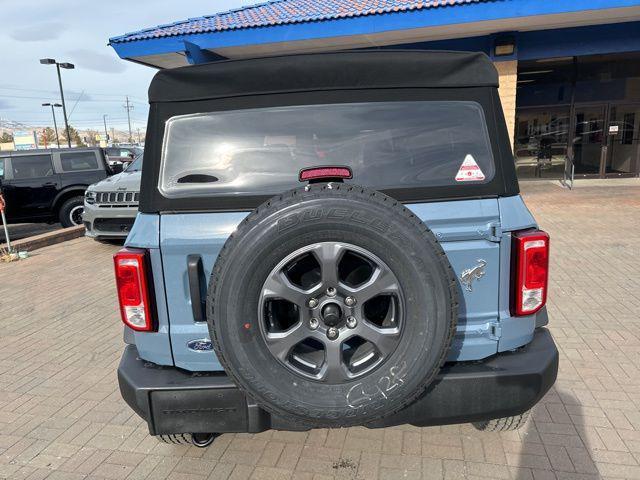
<point x="282" y="12"/>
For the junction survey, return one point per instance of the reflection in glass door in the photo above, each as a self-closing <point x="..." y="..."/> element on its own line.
<point x="542" y="135"/>
<point x="588" y="138"/>
<point x="623" y="145"/>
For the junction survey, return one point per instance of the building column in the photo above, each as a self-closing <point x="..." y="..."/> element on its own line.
<point x="508" y="74"/>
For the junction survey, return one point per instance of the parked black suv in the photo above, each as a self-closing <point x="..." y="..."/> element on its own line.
<point x="49" y="185"/>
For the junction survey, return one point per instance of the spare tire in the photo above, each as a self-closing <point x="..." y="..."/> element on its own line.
<point x="332" y="305"/>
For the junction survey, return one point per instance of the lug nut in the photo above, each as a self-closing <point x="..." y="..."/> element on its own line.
<point x="331" y="291"/>
<point x="313" y="303"/>
<point x="332" y="333"/>
<point x="351" y="322"/>
<point x="350" y="301"/>
<point x="313" y="323"/>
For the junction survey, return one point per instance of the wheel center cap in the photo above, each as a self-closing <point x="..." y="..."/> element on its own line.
<point x="331" y="314"/>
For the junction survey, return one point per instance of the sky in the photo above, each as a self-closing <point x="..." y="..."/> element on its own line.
<point x="78" y="31"/>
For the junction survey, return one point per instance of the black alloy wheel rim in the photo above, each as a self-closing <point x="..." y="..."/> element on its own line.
<point x="331" y="312"/>
<point x="75" y="215"/>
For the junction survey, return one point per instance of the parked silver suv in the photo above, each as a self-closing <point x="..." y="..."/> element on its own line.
<point x="111" y="206"/>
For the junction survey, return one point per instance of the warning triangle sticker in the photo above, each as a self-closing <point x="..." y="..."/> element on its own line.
<point x="469" y="171"/>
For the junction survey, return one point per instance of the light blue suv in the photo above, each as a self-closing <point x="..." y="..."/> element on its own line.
<point x="332" y="240"/>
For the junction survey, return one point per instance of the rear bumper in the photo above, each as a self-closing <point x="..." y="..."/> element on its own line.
<point x="174" y="401"/>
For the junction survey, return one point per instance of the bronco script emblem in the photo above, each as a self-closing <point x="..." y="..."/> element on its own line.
<point x="475" y="273"/>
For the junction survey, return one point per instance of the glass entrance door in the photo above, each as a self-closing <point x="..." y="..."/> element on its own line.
<point x="588" y="139"/>
<point x="623" y="141"/>
<point x="542" y="136"/>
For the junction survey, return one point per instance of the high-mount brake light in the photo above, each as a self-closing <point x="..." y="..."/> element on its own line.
<point x="531" y="271"/>
<point x="325" y="173"/>
<point x="134" y="289"/>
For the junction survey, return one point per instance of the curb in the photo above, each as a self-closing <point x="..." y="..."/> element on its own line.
<point x="47" y="239"/>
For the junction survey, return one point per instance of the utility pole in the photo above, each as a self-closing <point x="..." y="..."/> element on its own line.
<point x="128" y="107"/>
<point x="106" y="132"/>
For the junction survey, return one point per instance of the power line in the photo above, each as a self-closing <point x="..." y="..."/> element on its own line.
<point x="87" y="113"/>
<point x="76" y="104"/>
<point x="80" y="116"/>
<point x="84" y="120"/>
<point x="73" y="95"/>
<point x="115" y="95"/>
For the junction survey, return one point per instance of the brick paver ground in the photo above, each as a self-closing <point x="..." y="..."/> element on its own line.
<point x="61" y="415"/>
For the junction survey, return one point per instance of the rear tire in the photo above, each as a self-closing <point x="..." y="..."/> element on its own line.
<point x="70" y="213"/>
<point x="504" y="424"/>
<point x="175" y="439"/>
<point x="311" y="226"/>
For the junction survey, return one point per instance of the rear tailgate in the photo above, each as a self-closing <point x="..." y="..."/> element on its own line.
<point x="466" y="229"/>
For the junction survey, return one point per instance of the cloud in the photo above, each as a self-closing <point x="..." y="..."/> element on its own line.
<point x="38" y="32"/>
<point x="93" y="60"/>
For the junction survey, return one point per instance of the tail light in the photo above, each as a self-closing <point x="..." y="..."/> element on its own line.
<point x="531" y="271"/>
<point x="134" y="288"/>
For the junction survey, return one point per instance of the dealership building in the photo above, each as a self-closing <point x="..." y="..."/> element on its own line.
<point x="569" y="69"/>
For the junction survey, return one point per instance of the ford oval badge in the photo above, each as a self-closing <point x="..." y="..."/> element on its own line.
<point x="200" y="345"/>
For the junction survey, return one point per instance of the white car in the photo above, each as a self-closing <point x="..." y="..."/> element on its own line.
<point x="111" y="206"/>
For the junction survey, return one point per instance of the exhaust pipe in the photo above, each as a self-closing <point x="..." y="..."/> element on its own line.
<point x="203" y="440"/>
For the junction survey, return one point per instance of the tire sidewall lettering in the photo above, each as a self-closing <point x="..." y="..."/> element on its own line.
<point x="356" y="216"/>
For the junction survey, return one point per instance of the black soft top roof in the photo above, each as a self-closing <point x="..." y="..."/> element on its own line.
<point x="324" y="71"/>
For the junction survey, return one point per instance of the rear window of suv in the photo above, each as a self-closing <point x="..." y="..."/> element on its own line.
<point x="78" y="161"/>
<point x="387" y="145"/>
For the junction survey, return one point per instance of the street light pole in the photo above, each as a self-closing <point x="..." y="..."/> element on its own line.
<point x="55" y="124"/>
<point x="64" y="106"/>
<point x="106" y="133"/>
<point x="69" y="66"/>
